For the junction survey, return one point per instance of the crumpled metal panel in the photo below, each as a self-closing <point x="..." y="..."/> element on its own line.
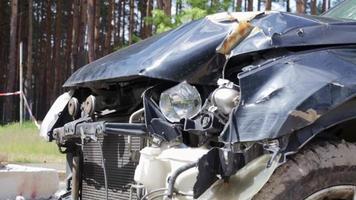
<point x="290" y="93"/>
<point x="278" y="29"/>
<point x="189" y="52"/>
<point x="186" y="53"/>
<point x="278" y="97"/>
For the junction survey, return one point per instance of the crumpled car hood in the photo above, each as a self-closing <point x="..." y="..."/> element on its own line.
<point x="190" y="52"/>
<point x="185" y="53"/>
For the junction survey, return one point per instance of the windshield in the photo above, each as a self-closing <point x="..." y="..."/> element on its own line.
<point x="345" y="10"/>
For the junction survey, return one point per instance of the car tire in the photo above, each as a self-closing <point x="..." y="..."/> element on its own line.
<point x="319" y="171"/>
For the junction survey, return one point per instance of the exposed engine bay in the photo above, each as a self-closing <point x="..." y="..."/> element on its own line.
<point x="172" y="143"/>
<point x="191" y="123"/>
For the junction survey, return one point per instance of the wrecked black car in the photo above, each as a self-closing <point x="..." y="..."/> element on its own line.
<point x="233" y="106"/>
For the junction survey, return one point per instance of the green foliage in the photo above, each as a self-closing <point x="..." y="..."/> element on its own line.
<point x="135" y="38"/>
<point x="22" y="144"/>
<point x="161" y="21"/>
<point x="192" y="10"/>
<point x="191" y="14"/>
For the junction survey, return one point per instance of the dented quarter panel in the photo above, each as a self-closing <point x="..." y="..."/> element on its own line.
<point x="287" y="94"/>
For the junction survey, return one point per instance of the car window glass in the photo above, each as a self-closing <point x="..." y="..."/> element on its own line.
<point x="346" y="10"/>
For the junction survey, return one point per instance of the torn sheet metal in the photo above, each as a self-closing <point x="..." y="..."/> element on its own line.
<point x="278" y="29"/>
<point x="245" y="183"/>
<point x="241" y="30"/>
<point x="216" y="163"/>
<point x="290" y="93"/>
<point x="234" y="16"/>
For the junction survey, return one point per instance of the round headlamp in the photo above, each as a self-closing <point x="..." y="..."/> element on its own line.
<point x="180" y="101"/>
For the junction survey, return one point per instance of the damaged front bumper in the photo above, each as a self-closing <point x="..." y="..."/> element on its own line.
<point x="86" y="131"/>
<point x="184" y="173"/>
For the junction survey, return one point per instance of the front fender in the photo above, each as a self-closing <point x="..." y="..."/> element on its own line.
<point x="290" y="93"/>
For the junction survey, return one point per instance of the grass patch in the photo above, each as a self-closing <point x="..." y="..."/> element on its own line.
<point x="22" y="144"/>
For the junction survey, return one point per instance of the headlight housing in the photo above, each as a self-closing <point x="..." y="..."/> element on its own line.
<point x="180" y="101"/>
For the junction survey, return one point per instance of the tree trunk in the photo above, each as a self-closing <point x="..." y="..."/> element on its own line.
<point x="147" y="27"/>
<point x="74" y="51"/>
<point x="91" y="47"/>
<point x="97" y="29"/>
<point x="142" y="6"/>
<point x="287" y="5"/>
<point x="268" y="5"/>
<point x="160" y="4"/>
<point x="250" y="5"/>
<point x="49" y="67"/>
<point x="118" y="24"/>
<point x="82" y="52"/>
<point x="123" y="21"/>
<point x="325" y="5"/>
<point x="41" y="93"/>
<point x="313" y="7"/>
<point x="300" y="6"/>
<point x="178" y="6"/>
<point x="131" y="21"/>
<point x="165" y="5"/>
<point x="69" y="40"/>
<point x="28" y="81"/>
<point x="238" y="5"/>
<point x="8" y="108"/>
<point x="57" y="49"/>
<point x="2" y="58"/>
<point x="109" y="26"/>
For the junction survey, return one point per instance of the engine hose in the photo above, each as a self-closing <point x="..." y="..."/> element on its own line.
<point x="104" y="170"/>
<point x="174" y="177"/>
<point x="145" y="197"/>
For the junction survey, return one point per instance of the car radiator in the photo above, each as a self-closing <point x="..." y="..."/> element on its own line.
<point x="120" y="167"/>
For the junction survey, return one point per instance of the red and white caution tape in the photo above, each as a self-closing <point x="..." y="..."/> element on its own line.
<point x="10" y="93"/>
<point x="29" y="111"/>
<point x="26" y="104"/>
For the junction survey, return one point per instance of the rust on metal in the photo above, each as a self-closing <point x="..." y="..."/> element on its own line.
<point x="310" y="115"/>
<point x="242" y="29"/>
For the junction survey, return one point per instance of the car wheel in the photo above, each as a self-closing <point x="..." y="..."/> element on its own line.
<point x="321" y="171"/>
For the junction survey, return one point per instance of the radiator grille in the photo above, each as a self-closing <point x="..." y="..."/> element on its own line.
<point x="120" y="168"/>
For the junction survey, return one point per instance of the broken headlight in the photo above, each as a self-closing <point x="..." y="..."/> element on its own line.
<point x="180" y="101"/>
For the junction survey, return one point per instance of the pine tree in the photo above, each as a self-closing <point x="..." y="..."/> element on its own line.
<point x="268" y="5"/>
<point x="28" y="80"/>
<point x="10" y="86"/>
<point x="111" y="10"/>
<point x="57" y="64"/>
<point x="91" y="24"/>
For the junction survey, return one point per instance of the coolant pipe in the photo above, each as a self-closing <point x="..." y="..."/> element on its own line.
<point x="75" y="178"/>
<point x="131" y="120"/>
<point x="174" y="177"/>
<point x="136" y="129"/>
